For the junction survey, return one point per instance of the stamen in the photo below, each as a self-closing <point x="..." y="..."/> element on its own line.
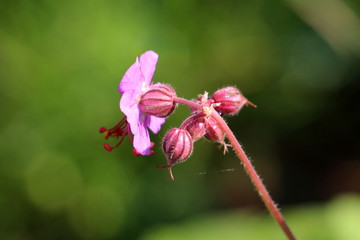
<point x="108" y="147"/>
<point x="121" y="129"/>
<point x="120" y="141"/>
<point x="102" y="129"/>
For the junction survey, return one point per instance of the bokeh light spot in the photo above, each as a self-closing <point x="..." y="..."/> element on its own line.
<point x="98" y="214"/>
<point x="52" y="181"/>
<point x="344" y="217"/>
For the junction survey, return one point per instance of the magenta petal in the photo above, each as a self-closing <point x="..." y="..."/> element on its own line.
<point x="136" y="80"/>
<point x="128" y="101"/>
<point x="148" y="62"/>
<point x="154" y="123"/>
<point x="142" y="140"/>
<point x="129" y="107"/>
<point x="132" y="79"/>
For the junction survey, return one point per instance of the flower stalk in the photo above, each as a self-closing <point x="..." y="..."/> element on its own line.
<point x="249" y="168"/>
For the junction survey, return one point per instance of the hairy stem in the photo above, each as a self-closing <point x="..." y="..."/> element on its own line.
<point x="255" y="178"/>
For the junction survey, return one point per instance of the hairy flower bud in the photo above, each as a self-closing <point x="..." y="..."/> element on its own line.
<point x="213" y="130"/>
<point x="229" y="100"/>
<point x="177" y="146"/>
<point x="158" y="100"/>
<point x="195" y="125"/>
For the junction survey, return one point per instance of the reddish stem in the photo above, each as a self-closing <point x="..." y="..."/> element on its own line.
<point x="260" y="187"/>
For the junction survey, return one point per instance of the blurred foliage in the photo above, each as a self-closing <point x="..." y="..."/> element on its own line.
<point x="339" y="219"/>
<point x="61" y="62"/>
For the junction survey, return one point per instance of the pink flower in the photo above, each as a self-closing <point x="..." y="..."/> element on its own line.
<point x="135" y="82"/>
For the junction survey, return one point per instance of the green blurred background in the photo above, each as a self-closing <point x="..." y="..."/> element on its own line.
<point x="60" y="65"/>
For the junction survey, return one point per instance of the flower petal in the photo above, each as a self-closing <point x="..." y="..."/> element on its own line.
<point x="148" y="62"/>
<point x="129" y="107"/>
<point x="132" y="79"/>
<point x="142" y="140"/>
<point x="136" y="79"/>
<point x="154" y="123"/>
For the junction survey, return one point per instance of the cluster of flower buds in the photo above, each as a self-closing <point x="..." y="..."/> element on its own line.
<point x="178" y="142"/>
<point x="148" y="108"/>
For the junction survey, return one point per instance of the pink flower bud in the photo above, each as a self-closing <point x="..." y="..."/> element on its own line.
<point x="230" y="100"/>
<point x="213" y="130"/>
<point x="196" y="128"/>
<point x="158" y="100"/>
<point x="195" y="125"/>
<point x="177" y="146"/>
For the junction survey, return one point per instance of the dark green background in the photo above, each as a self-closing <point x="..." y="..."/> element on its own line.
<point x="60" y="65"/>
